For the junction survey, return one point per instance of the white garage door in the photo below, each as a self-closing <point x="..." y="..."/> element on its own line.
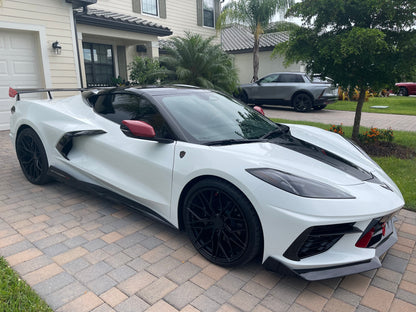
<point x="19" y="67"/>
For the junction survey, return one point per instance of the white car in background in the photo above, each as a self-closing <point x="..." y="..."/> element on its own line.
<point x="240" y="185"/>
<point x="298" y="90"/>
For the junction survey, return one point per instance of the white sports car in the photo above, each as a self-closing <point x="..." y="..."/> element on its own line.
<point x="240" y="185"/>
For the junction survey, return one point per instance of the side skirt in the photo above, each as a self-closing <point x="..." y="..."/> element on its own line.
<point x="66" y="178"/>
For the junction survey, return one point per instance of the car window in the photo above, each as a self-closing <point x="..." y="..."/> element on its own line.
<point x="269" y="78"/>
<point x="290" y="78"/>
<point x="125" y="106"/>
<point x="207" y="116"/>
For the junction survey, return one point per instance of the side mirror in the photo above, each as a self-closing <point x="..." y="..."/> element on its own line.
<point x="259" y="109"/>
<point x="141" y="130"/>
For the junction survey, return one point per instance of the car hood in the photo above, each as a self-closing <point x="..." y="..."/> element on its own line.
<point x="321" y="155"/>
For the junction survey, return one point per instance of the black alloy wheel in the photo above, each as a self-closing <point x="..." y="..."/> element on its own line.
<point x="221" y="223"/>
<point x="302" y="102"/>
<point x="32" y="157"/>
<point x="403" y="91"/>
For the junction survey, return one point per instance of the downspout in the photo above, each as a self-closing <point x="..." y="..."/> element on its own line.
<point x="77" y="45"/>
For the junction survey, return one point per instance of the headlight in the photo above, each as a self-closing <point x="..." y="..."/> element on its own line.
<point x="298" y="185"/>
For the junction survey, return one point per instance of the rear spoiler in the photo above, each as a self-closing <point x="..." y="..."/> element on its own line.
<point x="14" y="92"/>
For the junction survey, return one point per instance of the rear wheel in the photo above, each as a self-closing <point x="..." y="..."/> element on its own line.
<point x="32" y="156"/>
<point x="403" y="91"/>
<point x="244" y="97"/>
<point x="221" y="223"/>
<point x="302" y="102"/>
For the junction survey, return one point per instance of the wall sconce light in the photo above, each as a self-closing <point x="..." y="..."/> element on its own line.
<point x="56" y="47"/>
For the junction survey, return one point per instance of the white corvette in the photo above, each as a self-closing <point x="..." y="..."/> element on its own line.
<point x="240" y="185"/>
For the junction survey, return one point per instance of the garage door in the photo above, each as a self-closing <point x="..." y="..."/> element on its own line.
<point x="19" y="67"/>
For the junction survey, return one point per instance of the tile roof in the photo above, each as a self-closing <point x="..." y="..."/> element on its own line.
<point x="237" y="39"/>
<point x="113" y="20"/>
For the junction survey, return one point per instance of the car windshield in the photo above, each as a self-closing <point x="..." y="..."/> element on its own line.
<point x="206" y="116"/>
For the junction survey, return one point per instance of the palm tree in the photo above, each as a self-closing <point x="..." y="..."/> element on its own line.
<point x="194" y="60"/>
<point x="257" y="15"/>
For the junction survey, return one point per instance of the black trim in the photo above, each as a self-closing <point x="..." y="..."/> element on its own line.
<point x="81" y="3"/>
<point x="101" y="21"/>
<point x="314" y="274"/>
<point x="66" y="178"/>
<point x="325" y="236"/>
<point x="64" y="145"/>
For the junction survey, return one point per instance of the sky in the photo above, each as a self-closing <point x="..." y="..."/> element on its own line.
<point x="277" y="17"/>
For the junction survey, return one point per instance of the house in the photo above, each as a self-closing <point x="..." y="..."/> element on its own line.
<point x="81" y="43"/>
<point x="238" y="40"/>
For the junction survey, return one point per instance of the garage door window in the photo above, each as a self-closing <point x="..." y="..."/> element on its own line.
<point x="99" y="64"/>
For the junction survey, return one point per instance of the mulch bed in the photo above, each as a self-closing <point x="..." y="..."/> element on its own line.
<point x="387" y="149"/>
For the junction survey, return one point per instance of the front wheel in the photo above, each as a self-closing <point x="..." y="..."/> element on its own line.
<point x="403" y="91"/>
<point x="32" y="157"/>
<point x="221" y="223"/>
<point x="302" y="102"/>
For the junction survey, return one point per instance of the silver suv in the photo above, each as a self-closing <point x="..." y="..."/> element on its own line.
<point x="291" y="89"/>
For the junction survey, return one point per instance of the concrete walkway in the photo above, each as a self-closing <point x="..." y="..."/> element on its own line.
<point x="383" y="121"/>
<point x="82" y="253"/>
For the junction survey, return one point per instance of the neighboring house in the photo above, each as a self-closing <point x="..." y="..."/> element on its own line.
<point x="80" y="43"/>
<point x="238" y="40"/>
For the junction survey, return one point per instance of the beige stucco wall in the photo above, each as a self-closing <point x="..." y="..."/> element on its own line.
<point x="51" y="20"/>
<point x="244" y="64"/>
<point x="181" y="15"/>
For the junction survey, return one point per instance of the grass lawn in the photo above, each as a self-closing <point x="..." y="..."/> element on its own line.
<point x="15" y="294"/>
<point x="402" y="105"/>
<point x="402" y="171"/>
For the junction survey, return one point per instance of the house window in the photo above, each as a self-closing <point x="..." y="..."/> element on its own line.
<point x="150" y="7"/>
<point x="99" y="64"/>
<point x="208" y="13"/>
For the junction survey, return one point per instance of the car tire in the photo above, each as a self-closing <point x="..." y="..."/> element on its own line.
<point x="319" y="107"/>
<point x="221" y="223"/>
<point x="403" y="92"/>
<point x="32" y="157"/>
<point x="244" y="97"/>
<point x="302" y="102"/>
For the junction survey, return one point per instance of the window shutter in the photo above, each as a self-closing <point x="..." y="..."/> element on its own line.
<point x="199" y="12"/>
<point x="137" y="6"/>
<point x="162" y="8"/>
<point x="217" y="12"/>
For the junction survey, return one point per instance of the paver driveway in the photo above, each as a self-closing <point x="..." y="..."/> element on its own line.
<point x="83" y="253"/>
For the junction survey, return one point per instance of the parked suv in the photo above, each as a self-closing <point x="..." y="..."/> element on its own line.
<point x="298" y="90"/>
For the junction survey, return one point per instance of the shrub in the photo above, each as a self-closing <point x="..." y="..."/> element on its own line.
<point x="337" y="129"/>
<point x="146" y="70"/>
<point x="376" y="135"/>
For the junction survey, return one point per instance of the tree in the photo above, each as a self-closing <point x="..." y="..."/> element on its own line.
<point x="196" y="61"/>
<point x="357" y="43"/>
<point x="145" y="70"/>
<point x="281" y="26"/>
<point x="257" y="15"/>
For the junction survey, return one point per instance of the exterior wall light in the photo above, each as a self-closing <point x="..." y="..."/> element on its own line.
<point x="57" y="48"/>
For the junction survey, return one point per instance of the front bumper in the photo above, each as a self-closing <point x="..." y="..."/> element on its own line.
<point x="313" y="274"/>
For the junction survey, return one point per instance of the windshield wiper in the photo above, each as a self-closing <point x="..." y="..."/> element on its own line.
<point x="233" y="141"/>
<point x="282" y="129"/>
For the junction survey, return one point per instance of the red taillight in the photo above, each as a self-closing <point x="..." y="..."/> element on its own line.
<point x="12" y="92"/>
<point x="363" y="242"/>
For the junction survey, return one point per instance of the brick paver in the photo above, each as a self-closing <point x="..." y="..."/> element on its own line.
<point x="83" y="253"/>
